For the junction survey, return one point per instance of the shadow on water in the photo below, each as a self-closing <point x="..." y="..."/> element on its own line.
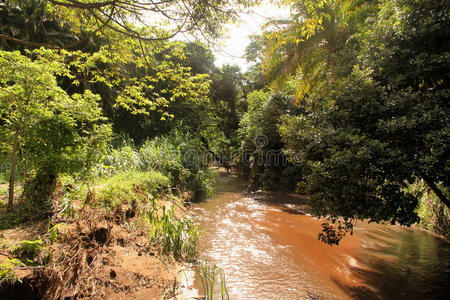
<point x="413" y="265"/>
<point x="267" y="244"/>
<point x="288" y="203"/>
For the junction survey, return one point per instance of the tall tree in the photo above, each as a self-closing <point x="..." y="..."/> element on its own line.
<point x="30" y="23"/>
<point x="312" y="45"/>
<point x="225" y="90"/>
<point x="363" y="139"/>
<point x="55" y="132"/>
<point x="142" y="20"/>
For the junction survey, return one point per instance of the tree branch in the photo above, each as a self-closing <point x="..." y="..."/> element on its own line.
<point x="25" y="43"/>
<point x="436" y="190"/>
<point x="130" y="32"/>
<point x="76" y="4"/>
<point x="6" y="254"/>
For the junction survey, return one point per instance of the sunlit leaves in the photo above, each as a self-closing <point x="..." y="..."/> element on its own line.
<point x="308" y="47"/>
<point x="57" y="132"/>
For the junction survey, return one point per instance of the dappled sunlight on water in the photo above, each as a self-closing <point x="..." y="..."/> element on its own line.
<point x="267" y="244"/>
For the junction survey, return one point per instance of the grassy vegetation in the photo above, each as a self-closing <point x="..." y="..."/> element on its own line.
<point x="148" y="183"/>
<point x="176" y="236"/>
<point x="28" y="251"/>
<point x="130" y="187"/>
<point x="25" y="254"/>
<point x="211" y="275"/>
<point x="177" y="156"/>
<point x="7" y="273"/>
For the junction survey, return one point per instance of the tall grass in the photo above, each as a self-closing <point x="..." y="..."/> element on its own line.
<point x="124" y="158"/>
<point x="176" y="236"/>
<point x="209" y="275"/>
<point x="177" y="155"/>
<point x="203" y="184"/>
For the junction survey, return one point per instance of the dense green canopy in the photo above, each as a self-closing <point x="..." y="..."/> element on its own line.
<point x="353" y="93"/>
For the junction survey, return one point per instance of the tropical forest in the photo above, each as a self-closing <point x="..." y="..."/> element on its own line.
<point x="211" y="149"/>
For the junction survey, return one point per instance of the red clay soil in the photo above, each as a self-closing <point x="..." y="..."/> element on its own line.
<point x="97" y="256"/>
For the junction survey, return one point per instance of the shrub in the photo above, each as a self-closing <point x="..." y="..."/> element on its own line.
<point x="131" y="187"/>
<point x="203" y="184"/>
<point x="7" y="274"/>
<point x="28" y="251"/>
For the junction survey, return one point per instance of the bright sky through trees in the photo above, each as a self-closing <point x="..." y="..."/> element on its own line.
<point x="234" y="44"/>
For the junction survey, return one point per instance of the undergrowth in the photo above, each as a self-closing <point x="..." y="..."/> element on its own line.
<point x="26" y="254"/>
<point x="177" y="236"/>
<point x="7" y="272"/>
<point x="130" y="187"/>
<point x="28" y="251"/>
<point x="177" y="156"/>
<point x="131" y="178"/>
<point x="433" y="214"/>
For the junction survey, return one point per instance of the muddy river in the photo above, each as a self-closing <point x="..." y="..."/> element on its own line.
<point x="266" y="243"/>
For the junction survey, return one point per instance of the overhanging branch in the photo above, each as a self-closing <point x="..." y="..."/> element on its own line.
<point x="436" y="190"/>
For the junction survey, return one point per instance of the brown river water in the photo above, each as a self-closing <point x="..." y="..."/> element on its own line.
<point x="266" y="243"/>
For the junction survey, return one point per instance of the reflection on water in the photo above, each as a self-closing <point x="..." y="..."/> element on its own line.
<point x="267" y="244"/>
<point x="403" y="264"/>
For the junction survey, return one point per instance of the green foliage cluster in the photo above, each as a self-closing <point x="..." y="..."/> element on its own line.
<point x="313" y="47"/>
<point x="28" y="251"/>
<point x="52" y="131"/>
<point x="373" y="116"/>
<point x="55" y="131"/>
<point x="74" y="24"/>
<point x="336" y="156"/>
<point x="269" y="164"/>
<point x="7" y="273"/>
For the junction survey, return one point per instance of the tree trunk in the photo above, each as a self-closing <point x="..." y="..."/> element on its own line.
<point x="436" y="191"/>
<point x="12" y="176"/>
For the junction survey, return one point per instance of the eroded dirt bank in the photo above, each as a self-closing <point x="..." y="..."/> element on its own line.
<point x="95" y="255"/>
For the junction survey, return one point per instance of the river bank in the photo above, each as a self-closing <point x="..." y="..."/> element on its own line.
<point x="121" y="232"/>
<point x="96" y="254"/>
